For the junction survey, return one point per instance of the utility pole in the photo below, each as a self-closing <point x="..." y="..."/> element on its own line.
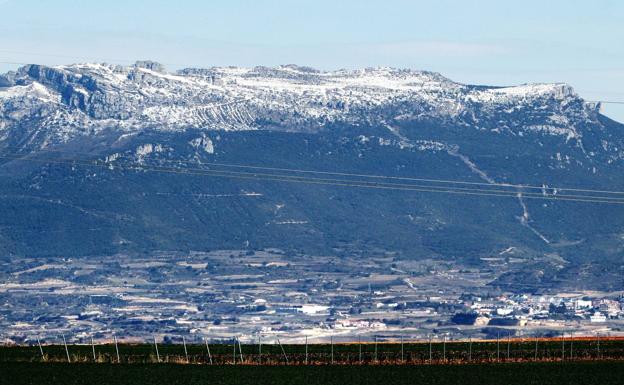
<point x="508" y="344"/>
<point x="156" y="346"/>
<point x="93" y="349"/>
<point x="41" y="349"/>
<point x="117" y="348"/>
<point x="401" y="348"/>
<point x="444" y="349"/>
<point x="360" y="348"/>
<point x="283" y="351"/>
<point x="260" y="349"/>
<point x="185" y="351"/>
<point x="375" y="349"/>
<point x="208" y="350"/>
<point x="536" y="339"/>
<point x="563" y="347"/>
<point x="498" y="347"/>
<point x="430" y="351"/>
<point x="470" y="349"/>
<point x="306" y="350"/>
<point x="240" y="351"/>
<point x="331" y="342"/>
<point x="66" y="350"/>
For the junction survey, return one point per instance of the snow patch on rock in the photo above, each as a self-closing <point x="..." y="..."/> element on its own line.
<point x="203" y="143"/>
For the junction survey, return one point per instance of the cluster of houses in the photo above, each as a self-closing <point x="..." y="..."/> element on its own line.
<point x="523" y="308"/>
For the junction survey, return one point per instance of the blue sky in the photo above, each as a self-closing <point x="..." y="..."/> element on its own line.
<point x="479" y="42"/>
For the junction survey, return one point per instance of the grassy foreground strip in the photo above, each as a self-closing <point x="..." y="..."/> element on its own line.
<point x="587" y="373"/>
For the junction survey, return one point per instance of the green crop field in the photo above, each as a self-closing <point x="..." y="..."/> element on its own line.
<point x="587" y="373"/>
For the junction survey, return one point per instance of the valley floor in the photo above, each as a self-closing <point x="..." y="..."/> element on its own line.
<point x="267" y="294"/>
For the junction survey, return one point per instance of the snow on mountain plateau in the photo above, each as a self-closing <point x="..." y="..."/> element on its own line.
<point x="64" y="102"/>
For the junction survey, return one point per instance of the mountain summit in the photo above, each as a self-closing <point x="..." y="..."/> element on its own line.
<point x="65" y="102"/>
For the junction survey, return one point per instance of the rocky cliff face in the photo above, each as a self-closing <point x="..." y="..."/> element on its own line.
<point x="68" y="101"/>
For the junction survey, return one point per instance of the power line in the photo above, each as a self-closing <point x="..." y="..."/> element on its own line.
<point x="368" y="183"/>
<point x="609" y="102"/>
<point x="345" y="183"/>
<point x="60" y="56"/>
<point x="359" y="183"/>
<point x="12" y="62"/>
<point x="519" y="187"/>
<point x="443" y="181"/>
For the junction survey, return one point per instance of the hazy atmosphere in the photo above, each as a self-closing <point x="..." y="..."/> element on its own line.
<point x="474" y="42"/>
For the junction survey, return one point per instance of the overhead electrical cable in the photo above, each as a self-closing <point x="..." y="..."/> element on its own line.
<point x="374" y="176"/>
<point x="334" y="182"/>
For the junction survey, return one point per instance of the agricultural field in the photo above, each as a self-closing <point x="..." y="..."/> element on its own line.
<point x="370" y="353"/>
<point x="582" y="361"/>
<point x="586" y="373"/>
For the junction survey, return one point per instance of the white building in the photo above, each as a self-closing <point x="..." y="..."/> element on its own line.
<point x="598" y="318"/>
<point x="582" y="304"/>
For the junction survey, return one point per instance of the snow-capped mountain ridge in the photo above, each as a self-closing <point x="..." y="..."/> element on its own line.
<point x="68" y="101"/>
<point x="85" y="148"/>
